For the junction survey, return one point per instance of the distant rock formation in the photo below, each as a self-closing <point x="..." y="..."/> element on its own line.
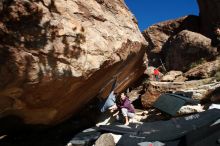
<point x="186" y="48"/>
<point x="57" y="55"/>
<point x="189" y="44"/>
<point x="181" y="39"/>
<point x="158" y="34"/>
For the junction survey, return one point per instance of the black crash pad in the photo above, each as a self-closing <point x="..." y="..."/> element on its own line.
<point x="119" y="128"/>
<point x="169" y="130"/>
<point x="171" y="103"/>
<point x="205" y="136"/>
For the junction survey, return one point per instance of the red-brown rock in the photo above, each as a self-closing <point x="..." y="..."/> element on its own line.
<point x="205" y="70"/>
<point x="186" y="48"/>
<point x="199" y="88"/>
<point x="158" y="34"/>
<point x="56" y="55"/>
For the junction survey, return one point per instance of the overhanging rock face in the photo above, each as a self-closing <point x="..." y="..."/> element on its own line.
<point x="56" y="55"/>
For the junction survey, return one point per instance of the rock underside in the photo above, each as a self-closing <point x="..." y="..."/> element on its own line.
<point x="57" y="55"/>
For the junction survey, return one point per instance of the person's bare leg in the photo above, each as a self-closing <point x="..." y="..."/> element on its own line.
<point x="126" y="121"/>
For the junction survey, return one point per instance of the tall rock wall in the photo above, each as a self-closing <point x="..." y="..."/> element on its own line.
<point x="209" y="16"/>
<point x="56" y="55"/>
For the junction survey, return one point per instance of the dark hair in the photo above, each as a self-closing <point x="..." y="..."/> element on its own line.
<point x="116" y="94"/>
<point x="126" y="94"/>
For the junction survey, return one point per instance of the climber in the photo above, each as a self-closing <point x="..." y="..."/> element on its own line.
<point x="108" y="105"/>
<point x="156" y="74"/>
<point x="110" y="102"/>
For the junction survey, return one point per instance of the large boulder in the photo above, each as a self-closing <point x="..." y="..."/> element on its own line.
<point x="57" y="55"/>
<point x="205" y="70"/>
<point x="209" y="13"/>
<point x="186" y="48"/>
<point x="200" y="89"/>
<point x="106" y="139"/>
<point x="158" y="34"/>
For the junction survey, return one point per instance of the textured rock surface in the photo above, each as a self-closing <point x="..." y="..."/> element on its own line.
<point x="199" y="88"/>
<point x="209" y="16"/>
<point x="186" y="48"/>
<point x="157" y="35"/>
<point x="105" y="140"/>
<point x="189" y="109"/>
<point x="56" y="55"/>
<point x="204" y="70"/>
<point x="171" y="76"/>
<point x="180" y="79"/>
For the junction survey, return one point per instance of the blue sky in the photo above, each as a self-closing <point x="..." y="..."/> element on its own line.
<point x="149" y="12"/>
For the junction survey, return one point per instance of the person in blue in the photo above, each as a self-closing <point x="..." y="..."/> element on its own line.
<point x="110" y="102"/>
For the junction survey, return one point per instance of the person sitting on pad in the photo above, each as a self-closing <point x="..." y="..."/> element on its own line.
<point x="126" y="108"/>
